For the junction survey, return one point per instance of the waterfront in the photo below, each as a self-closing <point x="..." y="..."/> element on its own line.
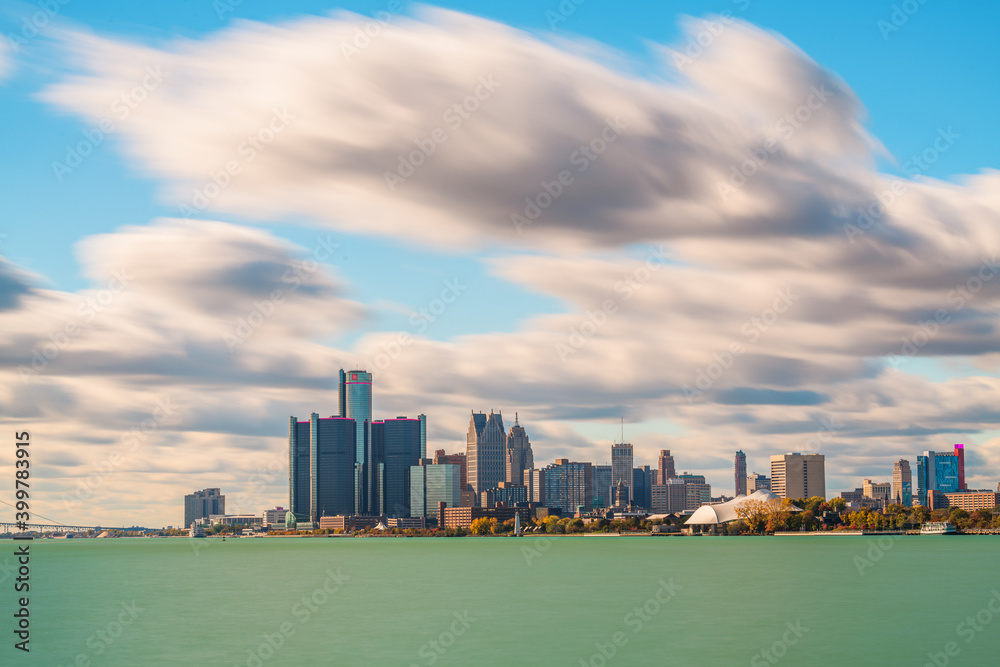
<point x="496" y="601"/>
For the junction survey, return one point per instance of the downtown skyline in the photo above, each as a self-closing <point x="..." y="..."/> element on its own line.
<point x="773" y="241"/>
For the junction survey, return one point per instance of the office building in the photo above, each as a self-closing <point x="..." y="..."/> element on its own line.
<point x="431" y="484"/>
<point x="698" y="494"/>
<point x="940" y="471"/>
<point x="902" y="483"/>
<point x="642" y="481"/>
<point x="275" y="517"/>
<point x="423" y="435"/>
<point x="665" y="467"/>
<point x="535" y="481"/>
<point x="740" y="470"/>
<point x="468" y="497"/>
<point x="321" y="466"/>
<point x="601" y="486"/>
<point x="355" y="397"/>
<point x="486" y="451"/>
<point x="462" y="517"/>
<point x="395" y="449"/>
<point x="242" y="520"/>
<point x="569" y="486"/>
<point x="757" y="482"/>
<point x="795" y="475"/>
<point x="202" y="504"/>
<point x="880" y="491"/>
<point x="970" y="501"/>
<point x="621" y="466"/>
<point x="519" y="456"/>
<point x="509" y="494"/>
<point x="669" y="498"/>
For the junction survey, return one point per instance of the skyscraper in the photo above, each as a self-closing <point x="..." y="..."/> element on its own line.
<point x="601" y="485"/>
<point x="423" y="435"/>
<point x="940" y="471"/>
<point x="486" y="450"/>
<point x="355" y="397"/>
<point x="665" y="467"/>
<point x="642" y="481"/>
<point x="960" y="455"/>
<point x="201" y="504"/>
<point x="321" y="466"/>
<point x="568" y="485"/>
<point x="399" y="446"/>
<point x="621" y="466"/>
<point x="740" y="470"/>
<point x="431" y="483"/>
<point x="902" y="483"/>
<point x="797" y="475"/>
<point x="519" y="456"/>
<point x="459" y="460"/>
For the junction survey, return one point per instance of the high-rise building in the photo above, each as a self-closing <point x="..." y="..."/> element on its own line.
<point x="321" y="466"/>
<point x="960" y="455"/>
<point x="797" y="475"/>
<point x="355" y="398"/>
<point x="568" y="485"/>
<point x="665" y="467"/>
<point x="757" y="482"/>
<point x="740" y="470"/>
<point x="535" y="481"/>
<point x="468" y="498"/>
<point x="939" y="471"/>
<point x="519" y="456"/>
<point x="423" y="435"/>
<point x="902" y="483"/>
<point x="601" y="486"/>
<point x="642" y="481"/>
<point x="670" y="497"/>
<point x="396" y="445"/>
<point x="203" y="504"/>
<point x="621" y="466"/>
<point x="431" y="483"/>
<point x="880" y="491"/>
<point x="486" y="451"/>
<point x="698" y="494"/>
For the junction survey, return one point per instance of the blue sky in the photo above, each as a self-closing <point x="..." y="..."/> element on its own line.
<point x="511" y="340"/>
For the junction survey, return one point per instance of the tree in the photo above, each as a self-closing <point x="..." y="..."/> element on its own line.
<point x="755" y="514"/>
<point x="838" y="504"/>
<point x="483" y="526"/>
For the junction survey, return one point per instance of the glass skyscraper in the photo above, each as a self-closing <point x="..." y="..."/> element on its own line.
<point x="355" y="402"/>
<point x="940" y="471"/>
<point x="396" y="447"/>
<point x="434" y="483"/>
<point x="321" y="466"/>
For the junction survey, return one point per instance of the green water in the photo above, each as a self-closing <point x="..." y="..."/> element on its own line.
<point x="518" y="602"/>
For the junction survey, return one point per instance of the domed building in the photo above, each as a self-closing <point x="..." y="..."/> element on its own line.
<point x="716" y="515"/>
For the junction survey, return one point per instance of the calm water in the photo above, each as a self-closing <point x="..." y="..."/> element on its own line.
<point x="702" y="601"/>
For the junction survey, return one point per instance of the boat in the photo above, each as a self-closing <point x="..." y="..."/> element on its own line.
<point x="937" y="528"/>
<point x="196" y="531"/>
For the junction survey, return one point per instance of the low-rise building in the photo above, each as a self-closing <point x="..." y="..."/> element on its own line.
<point x="462" y="517"/>
<point x="971" y="501"/>
<point x="348" y="523"/>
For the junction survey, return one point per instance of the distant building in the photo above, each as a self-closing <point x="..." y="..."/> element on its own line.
<point x="486" y="451"/>
<point x="462" y="517"/>
<point x="396" y="446"/>
<point x="275" y="517"/>
<point x="757" y="482"/>
<point x="970" y="501"/>
<point x="669" y="498"/>
<point x="795" y="475"/>
<point x="423" y="435"/>
<point x="349" y="522"/>
<point x="235" y="520"/>
<point x="740" y="471"/>
<point x="518" y="456"/>
<point x="535" y="481"/>
<point x="902" y="483"/>
<point x="468" y="498"/>
<point x="601" y="486"/>
<point x="510" y="494"/>
<point x="431" y="484"/>
<point x="202" y="504"/>
<point x="698" y="494"/>
<point x="940" y="471"/>
<point x="621" y="466"/>
<point x="406" y="522"/>
<point x="642" y="481"/>
<point x="878" y="491"/>
<point x="355" y="397"/>
<point x="568" y="485"/>
<point x="665" y="467"/>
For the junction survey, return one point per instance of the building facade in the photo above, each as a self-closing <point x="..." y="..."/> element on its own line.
<point x="396" y="445"/>
<point x="796" y="475"/>
<point x="757" y="482"/>
<point x="601" y="486"/>
<point x="940" y="471"/>
<point x="621" y="466"/>
<point x="902" y="483"/>
<point x="321" y="470"/>
<point x="518" y="456"/>
<point x="669" y="498"/>
<point x="568" y="485"/>
<point x="431" y="484"/>
<point x="665" y="467"/>
<point x="486" y="451"/>
<point x="642" y="482"/>
<point x="740" y="470"/>
<point x="970" y="501"/>
<point x="202" y="504"/>
<point x="355" y="399"/>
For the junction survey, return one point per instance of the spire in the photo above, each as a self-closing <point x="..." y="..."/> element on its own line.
<point x="515" y="420"/>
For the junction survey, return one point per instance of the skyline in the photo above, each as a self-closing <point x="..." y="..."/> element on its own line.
<point x="583" y="218"/>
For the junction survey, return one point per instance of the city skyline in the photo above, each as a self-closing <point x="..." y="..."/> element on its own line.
<point x="765" y="227"/>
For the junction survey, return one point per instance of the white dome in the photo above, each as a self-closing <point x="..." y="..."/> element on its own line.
<point x="726" y="512"/>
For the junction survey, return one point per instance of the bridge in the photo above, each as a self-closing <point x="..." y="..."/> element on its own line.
<point x="60" y="528"/>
